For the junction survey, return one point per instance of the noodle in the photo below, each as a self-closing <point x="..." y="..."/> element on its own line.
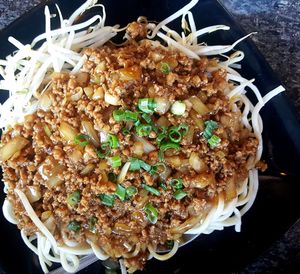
<point x="61" y="50"/>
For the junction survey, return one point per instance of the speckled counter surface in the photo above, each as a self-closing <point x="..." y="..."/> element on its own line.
<point x="278" y="25"/>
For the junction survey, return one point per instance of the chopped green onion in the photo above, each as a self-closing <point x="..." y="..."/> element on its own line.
<point x="112" y="177"/>
<point x="162" y="129"/>
<point x="179" y="194"/>
<point x="181" y="128"/>
<point x="92" y="222"/>
<point x="115" y="161"/>
<point x="213" y="141"/>
<point x="169" y="244"/>
<point x="163" y="186"/>
<point x="121" y="192"/>
<point x="169" y="145"/>
<point x="131" y="191"/>
<point x="73" y="198"/>
<point x="137" y="164"/>
<point x="107" y="199"/>
<point x="151" y="189"/>
<point x="176" y="183"/>
<point x="175" y="136"/>
<point x="74" y="226"/>
<point x="82" y="140"/>
<point x="210" y="126"/>
<point x="158" y="168"/>
<point x="178" y="108"/>
<point x="143" y="130"/>
<point x="151" y="213"/>
<point x="184" y="128"/>
<point x="134" y="164"/>
<point x="104" y="151"/>
<point x="145" y="166"/>
<point x="165" y="68"/>
<point x="161" y="156"/>
<point x="147" y="118"/>
<point x="160" y="138"/>
<point x="147" y="105"/>
<point x="125" y="131"/>
<point x="113" y="141"/>
<point x="120" y="115"/>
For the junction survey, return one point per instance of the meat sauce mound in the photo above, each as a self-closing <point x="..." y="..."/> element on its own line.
<point x="68" y="155"/>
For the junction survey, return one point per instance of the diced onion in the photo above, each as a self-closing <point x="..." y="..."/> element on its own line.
<point x="79" y="92"/>
<point x="198" y="105"/>
<point x="68" y="132"/>
<point x="98" y="93"/>
<point x="111" y="99"/>
<point x="50" y="224"/>
<point x="178" y="108"/>
<point x="163" y="121"/>
<point x="89" y="130"/>
<point x="196" y="163"/>
<point x="87" y="169"/>
<point x="88" y="91"/>
<point x="14" y="145"/>
<point x="45" y="101"/>
<point x="148" y="147"/>
<point x="138" y="148"/>
<point x="162" y="105"/>
<point x="123" y="173"/>
<point x="33" y="194"/>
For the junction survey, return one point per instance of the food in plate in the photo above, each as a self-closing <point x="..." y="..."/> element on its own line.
<point x="120" y="149"/>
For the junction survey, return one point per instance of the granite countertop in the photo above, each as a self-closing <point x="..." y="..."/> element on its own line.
<point x="278" y="25"/>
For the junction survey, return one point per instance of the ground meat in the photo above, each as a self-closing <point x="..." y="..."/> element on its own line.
<point x="69" y="146"/>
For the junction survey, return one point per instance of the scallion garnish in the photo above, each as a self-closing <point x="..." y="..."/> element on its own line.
<point x="160" y="138"/>
<point x="131" y="191"/>
<point x="179" y="194"/>
<point x="178" y="108"/>
<point x="147" y="118"/>
<point x="165" y="68"/>
<point x="210" y="126"/>
<point x="176" y="183"/>
<point x="103" y="151"/>
<point x="115" y="161"/>
<point x="92" y="222"/>
<point x="112" y="177"/>
<point x="113" y="141"/>
<point x="120" y="115"/>
<point x="158" y="168"/>
<point x="145" y="166"/>
<point x="163" y="186"/>
<point x="137" y="164"/>
<point x="143" y="130"/>
<point x="151" y="213"/>
<point x="169" y="145"/>
<point x="169" y="244"/>
<point x="82" y="140"/>
<point x="147" y="105"/>
<point x="73" y="198"/>
<point x="121" y="192"/>
<point x="175" y="136"/>
<point x="151" y="189"/>
<point x="125" y="131"/>
<point x="213" y="141"/>
<point x="74" y="226"/>
<point x="107" y="199"/>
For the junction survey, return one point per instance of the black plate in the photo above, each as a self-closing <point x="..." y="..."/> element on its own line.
<point x="276" y="207"/>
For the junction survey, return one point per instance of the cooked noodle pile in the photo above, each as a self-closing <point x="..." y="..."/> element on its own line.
<point x="120" y="150"/>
